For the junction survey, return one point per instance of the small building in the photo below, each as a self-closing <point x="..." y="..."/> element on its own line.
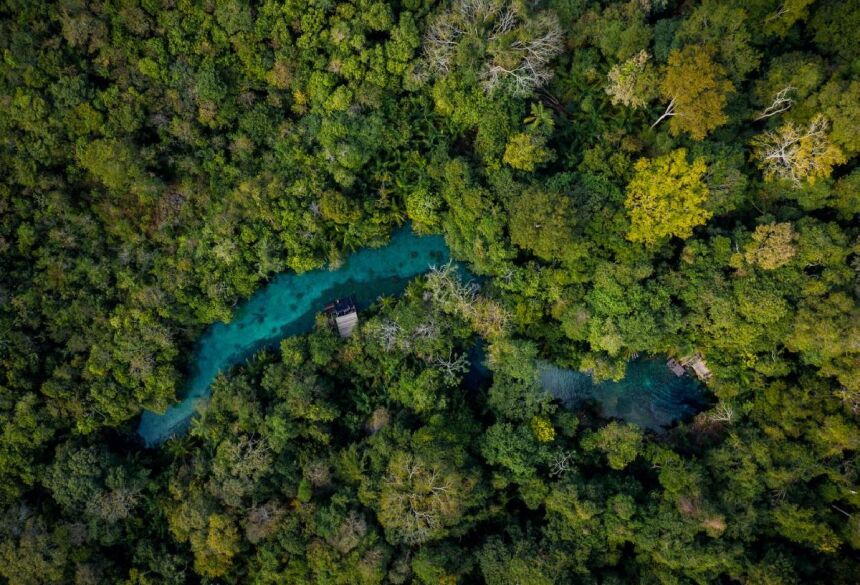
<point x="344" y="314"/>
<point x="675" y="367"/>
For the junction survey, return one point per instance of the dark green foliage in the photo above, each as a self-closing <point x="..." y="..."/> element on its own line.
<point x="161" y="160"/>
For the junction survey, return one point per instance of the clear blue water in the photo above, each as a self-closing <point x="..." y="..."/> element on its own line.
<point x="287" y="306"/>
<point x="650" y="395"/>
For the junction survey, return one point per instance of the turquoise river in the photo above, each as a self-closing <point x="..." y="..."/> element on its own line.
<point x="649" y="396"/>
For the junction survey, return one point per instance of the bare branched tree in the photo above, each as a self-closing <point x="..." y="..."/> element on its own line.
<point x="670" y="111"/>
<point x="318" y="473"/>
<point x="516" y="48"/>
<point x="722" y="413"/>
<point x="850" y="398"/>
<point x="451" y="295"/>
<point x="560" y="464"/>
<point x="448" y="292"/>
<point x="114" y="505"/>
<point x="796" y="153"/>
<point x="418" y="498"/>
<point x="263" y="520"/>
<point x="452" y="367"/>
<point x="782" y="101"/>
<point x="390" y="335"/>
<point x="778" y="13"/>
<point x="524" y="63"/>
<point x="633" y="82"/>
<point x="249" y="456"/>
<point x="427" y="330"/>
<point x="349" y="533"/>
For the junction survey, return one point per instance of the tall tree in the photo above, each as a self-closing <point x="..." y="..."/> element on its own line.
<point x="697" y="89"/>
<point x="666" y="197"/>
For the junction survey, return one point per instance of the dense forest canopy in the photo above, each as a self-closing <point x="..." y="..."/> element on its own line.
<point x="644" y="177"/>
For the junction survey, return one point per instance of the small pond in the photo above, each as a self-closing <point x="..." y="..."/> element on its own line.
<point x="650" y="396"/>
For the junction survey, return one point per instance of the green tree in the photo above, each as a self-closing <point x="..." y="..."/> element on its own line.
<point x="666" y="197"/>
<point x="542" y="222"/>
<point x="526" y="151"/>
<point x="621" y="443"/>
<point x="697" y="90"/>
<point x="421" y="499"/>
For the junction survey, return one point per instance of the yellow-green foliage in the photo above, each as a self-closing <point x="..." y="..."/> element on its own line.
<point x="525" y="151"/>
<point x="795" y="153"/>
<point x="772" y="246"/>
<point x="542" y="429"/>
<point x="666" y="198"/>
<point x="699" y="89"/>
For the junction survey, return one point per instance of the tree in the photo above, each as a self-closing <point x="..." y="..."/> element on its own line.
<point x="215" y="548"/>
<point x="835" y="27"/>
<point x="800" y="525"/>
<point x="620" y="442"/>
<point x="826" y="333"/>
<point x="697" y="90"/>
<point x="619" y="31"/>
<point x="633" y="83"/>
<point x="838" y="101"/>
<point x="666" y="198"/>
<point x="542" y="429"/>
<point x="723" y="27"/>
<point x="519" y="562"/>
<point x="772" y="246"/>
<point x="789" y="80"/>
<point x="797" y="154"/>
<point x="542" y="221"/>
<point x="776" y="17"/>
<point x="505" y="46"/>
<point x="525" y="151"/>
<point x="421" y="499"/>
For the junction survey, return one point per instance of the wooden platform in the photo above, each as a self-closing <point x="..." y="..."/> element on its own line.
<point x="675" y="367"/>
<point x="700" y="368"/>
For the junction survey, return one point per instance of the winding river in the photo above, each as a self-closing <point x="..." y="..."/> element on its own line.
<point x="649" y="396"/>
<point x="287" y="306"/>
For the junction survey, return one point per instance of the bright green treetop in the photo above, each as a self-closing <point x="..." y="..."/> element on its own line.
<point x="666" y="198"/>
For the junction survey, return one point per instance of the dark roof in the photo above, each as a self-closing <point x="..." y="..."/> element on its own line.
<point x="341" y="307"/>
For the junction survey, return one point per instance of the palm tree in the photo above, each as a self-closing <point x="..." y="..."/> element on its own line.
<point x="540" y="117"/>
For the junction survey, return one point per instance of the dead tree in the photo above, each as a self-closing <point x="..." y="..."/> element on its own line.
<point x="452" y="367"/>
<point x="389" y="334"/>
<point x="781" y="103"/>
<point x="670" y="111"/>
<point x="850" y="398"/>
<point x="561" y="464"/>
<point x="795" y="153"/>
<point x="515" y="50"/>
<point x="722" y="413"/>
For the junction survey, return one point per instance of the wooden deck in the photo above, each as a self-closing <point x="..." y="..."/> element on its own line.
<point x="675" y="367"/>
<point x="700" y="368"/>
